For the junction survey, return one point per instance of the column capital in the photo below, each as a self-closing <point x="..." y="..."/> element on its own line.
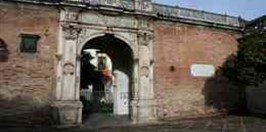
<point x="71" y="32"/>
<point x="145" y="37"/>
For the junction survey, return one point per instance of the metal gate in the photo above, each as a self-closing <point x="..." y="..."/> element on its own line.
<point x="96" y="101"/>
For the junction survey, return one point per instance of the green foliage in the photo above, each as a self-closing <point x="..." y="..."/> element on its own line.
<point x="248" y="67"/>
<point x="252" y="50"/>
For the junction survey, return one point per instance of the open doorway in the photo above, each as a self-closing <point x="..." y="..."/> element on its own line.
<point x="106" y="76"/>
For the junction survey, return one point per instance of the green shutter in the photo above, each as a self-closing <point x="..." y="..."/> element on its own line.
<point x="29" y="43"/>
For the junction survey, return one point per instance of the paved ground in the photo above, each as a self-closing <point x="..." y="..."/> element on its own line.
<point x="96" y="121"/>
<point x="215" y="124"/>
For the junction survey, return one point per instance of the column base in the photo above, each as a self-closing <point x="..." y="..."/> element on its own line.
<point x="143" y="111"/>
<point x="67" y="113"/>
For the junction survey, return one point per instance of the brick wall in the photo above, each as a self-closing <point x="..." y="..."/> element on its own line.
<point x="26" y="80"/>
<point x="178" y="94"/>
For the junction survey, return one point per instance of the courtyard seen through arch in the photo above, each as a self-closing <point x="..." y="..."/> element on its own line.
<point x="106" y="73"/>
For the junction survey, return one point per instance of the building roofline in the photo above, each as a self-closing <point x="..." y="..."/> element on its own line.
<point x="179" y="7"/>
<point x="158" y="11"/>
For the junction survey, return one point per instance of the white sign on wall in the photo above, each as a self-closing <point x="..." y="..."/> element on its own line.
<point x="202" y="70"/>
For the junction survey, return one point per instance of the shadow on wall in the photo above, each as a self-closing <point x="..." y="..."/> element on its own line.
<point x="224" y="94"/>
<point x="16" y="104"/>
<point x="21" y="109"/>
<point x="3" y="51"/>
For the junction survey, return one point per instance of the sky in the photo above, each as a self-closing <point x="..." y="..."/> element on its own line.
<point x="247" y="9"/>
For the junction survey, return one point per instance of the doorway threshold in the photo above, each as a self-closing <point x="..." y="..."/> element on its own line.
<point x="101" y="120"/>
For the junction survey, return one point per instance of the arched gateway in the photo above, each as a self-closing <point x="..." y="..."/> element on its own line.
<point x="131" y="53"/>
<point x="106" y="76"/>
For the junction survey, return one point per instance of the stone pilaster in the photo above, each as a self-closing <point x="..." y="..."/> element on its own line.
<point x="67" y="109"/>
<point x="144" y="103"/>
<point x="69" y="63"/>
<point x="67" y="113"/>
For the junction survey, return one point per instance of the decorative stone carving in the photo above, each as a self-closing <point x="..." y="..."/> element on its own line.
<point x="178" y="12"/>
<point x="58" y="79"/>
<point x="73" y="41"/>
<point x="72" y="15"/>
<point x="152" y="61"/>
<point x="144" y="56"/>
<point x="58" y="57"/>
<point x="71" y="32"/>
<point x="115" y="3"/>
<point x="78" y="56"/>
<point x="146" y="63"/>
<point x="144" y="38"/>
<point x="143" y="5"/>
<point x="83" y="33"/>
<point x="145" y="23"/>
<point x="68" y="68"/>
<point x="144" y="71"/>
<point x="127" y="4"/>
<point x="92" y="2"/>
<point x="109" y="30"/>
<point x="77" y="80"/>
<point x="136" y="60"/>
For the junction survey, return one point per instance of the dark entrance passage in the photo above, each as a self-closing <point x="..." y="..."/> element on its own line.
<point x="100" y="84"/>
<point x="93" y="83"/>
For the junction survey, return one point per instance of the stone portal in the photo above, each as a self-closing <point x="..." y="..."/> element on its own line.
<point x="135" y="94"/>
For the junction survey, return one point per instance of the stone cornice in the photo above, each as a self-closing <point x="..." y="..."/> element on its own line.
<point x="157" y="11"/>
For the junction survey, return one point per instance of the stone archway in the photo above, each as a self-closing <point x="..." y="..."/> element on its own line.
<point x="96" y="99"/>
<point x="67" y="107"/>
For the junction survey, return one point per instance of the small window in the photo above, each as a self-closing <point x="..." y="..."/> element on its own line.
<point x="29" y="43"/>
<point x="3" y="51"/>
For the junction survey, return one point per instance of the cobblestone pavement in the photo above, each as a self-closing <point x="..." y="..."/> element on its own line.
<point x="215" y="124"/>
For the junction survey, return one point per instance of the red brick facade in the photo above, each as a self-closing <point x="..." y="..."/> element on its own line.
<point x="26" y="80"/>
<point x="177" y="47"/>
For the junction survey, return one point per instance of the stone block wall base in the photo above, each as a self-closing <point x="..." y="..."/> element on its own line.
<point x="67" y="113"/>
<point x="145" y="112"/>
<point x="145" y="120"/>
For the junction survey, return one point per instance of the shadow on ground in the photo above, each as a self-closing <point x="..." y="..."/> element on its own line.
<point x="214" y="124"/>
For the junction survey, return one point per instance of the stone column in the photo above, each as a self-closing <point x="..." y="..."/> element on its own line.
<point x="67" y="108"/>
<point x="145" y="98"/>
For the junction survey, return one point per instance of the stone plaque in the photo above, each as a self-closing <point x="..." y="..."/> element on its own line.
<point x="202" y="70"/>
